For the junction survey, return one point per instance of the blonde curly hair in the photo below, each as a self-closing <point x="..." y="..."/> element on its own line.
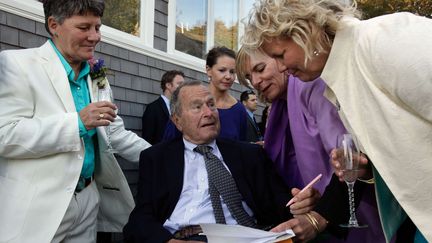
<point x="312" y="24"/>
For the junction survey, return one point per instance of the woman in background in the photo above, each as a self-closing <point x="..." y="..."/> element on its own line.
<point x="220" y="69"/>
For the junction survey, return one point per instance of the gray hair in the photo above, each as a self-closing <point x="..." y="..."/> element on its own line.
<point x="63" y="9"/>
<point x="175" y="103"/>
<point x="311" y="24"/>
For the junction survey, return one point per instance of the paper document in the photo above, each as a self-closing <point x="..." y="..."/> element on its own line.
<point x="223" y="233"/>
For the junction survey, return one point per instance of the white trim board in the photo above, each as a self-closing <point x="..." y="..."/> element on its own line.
<point x="32" y="9"/>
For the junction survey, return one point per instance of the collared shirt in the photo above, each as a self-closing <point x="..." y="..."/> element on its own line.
<point x="194" y="205"/>
<point x="81" y="96"/>
<point x="167" y="103"/>
<point x="250" y="113"/>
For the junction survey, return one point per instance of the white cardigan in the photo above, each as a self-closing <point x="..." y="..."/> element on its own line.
<point x="379" y="73"/>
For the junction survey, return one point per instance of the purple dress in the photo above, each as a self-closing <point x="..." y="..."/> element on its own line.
<point x="301" y="145"/>
<point x="233" y="122"/>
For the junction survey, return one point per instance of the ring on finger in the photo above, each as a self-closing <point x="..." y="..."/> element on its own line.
<point x="101" y="115"/>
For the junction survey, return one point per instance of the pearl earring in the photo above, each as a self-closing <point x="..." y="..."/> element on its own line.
<point x="316" y="53"/>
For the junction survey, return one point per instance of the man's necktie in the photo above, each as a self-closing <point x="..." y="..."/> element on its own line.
<point x="222" y="183"/>
<point x="258" y="131"/>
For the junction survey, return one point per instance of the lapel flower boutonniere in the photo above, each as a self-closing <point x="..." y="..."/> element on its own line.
<point x="98" y="72"/>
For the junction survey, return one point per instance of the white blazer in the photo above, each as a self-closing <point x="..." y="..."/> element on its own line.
<point x="41" y="152"/>
<point x="380" y="71"/>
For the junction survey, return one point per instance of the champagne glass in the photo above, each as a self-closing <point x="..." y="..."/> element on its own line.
<point x="105" y="94"/>
<point x="347" y="144"/>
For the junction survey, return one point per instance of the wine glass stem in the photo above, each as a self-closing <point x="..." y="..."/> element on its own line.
<point x="108" y="133"/>
<point x="353" y="219"/>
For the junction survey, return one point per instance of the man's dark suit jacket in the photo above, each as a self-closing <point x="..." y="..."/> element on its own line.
<point x="161" y="180"/>
<point x="253" y="134"/>
<point x="154" y="121"/>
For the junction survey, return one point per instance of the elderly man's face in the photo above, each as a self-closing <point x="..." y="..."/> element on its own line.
<point x="76" y="37"/>
<point x="199" y="118"/>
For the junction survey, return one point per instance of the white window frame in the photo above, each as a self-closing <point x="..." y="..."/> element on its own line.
<point x="242" y="13"/>
<point x="32" y="9"/>
<point x="210" y="29"/>
<point x="172" y="5"/>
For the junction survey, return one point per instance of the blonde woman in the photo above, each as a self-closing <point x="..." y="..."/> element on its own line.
<point x="379" y="76"/>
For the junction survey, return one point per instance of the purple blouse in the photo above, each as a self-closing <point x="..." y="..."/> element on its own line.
<point x="300" y="148"/>
<point x="233" y="122"/>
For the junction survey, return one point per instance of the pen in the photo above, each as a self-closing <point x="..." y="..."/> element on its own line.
<point x="315" y="180"/>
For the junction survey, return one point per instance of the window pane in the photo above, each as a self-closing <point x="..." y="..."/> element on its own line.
<point x="248" y="4"/>
<point x="123" y="15"/>
<point x="226" y="23"/>
<point x="191" y="27"/>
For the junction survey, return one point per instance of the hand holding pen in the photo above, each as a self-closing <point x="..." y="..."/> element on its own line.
<point x="304" y="200"/>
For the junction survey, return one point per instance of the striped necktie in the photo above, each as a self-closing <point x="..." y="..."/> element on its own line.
<point x="222" y="183"/>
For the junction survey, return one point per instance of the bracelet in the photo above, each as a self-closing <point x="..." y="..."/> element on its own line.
<point x="370" y="181"/>
<point x="313" y="221"/>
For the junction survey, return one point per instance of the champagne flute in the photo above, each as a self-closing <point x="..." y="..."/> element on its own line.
<point x="347" y="144"/>
<point x="105" y="94"/>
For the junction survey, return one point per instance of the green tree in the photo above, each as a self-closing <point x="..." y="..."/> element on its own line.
<point x="192" y="41"/>
<point x="123" y="15"/>
<point x="225" y="36"/>
<point x="373" y="8"/>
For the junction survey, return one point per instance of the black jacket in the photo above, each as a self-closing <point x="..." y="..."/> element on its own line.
<point x="154" y="120"/>
<point x="161" y="179"/>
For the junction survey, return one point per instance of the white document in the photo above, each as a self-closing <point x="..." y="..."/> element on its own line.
<point x="223" y="233"/>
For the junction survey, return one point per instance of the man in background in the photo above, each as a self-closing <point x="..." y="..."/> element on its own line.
<point x="157" y="113"/>
<point x="250" y="102"/>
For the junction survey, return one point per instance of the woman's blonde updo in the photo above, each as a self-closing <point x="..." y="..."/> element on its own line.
<point x="312" y="24"/>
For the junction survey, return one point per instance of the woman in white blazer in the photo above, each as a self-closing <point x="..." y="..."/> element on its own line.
<point x="42" y="149"/>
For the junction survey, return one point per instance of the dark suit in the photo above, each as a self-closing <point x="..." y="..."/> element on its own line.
<point x="154" y="121"/>
<point x="253" y="134"/>
<point x="161" y="180"/>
